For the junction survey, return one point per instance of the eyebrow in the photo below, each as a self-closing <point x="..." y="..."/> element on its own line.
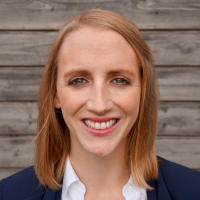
<point x="74" y="72"/>
<point x="86" y="72"/>
<point x="121" y="71"/>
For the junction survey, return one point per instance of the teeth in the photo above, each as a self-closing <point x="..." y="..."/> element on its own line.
<point x="111" y="122"/>
<point x="91" y="124"/>
<point x="87" y="122"/>
<point x="102" y="125"/>
<point x="97" y="125"/>
<point x="108" y="124"/>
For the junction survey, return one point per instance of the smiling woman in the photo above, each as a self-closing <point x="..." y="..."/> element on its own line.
<point x="96" y="51"/>
<point x="98" y="105"/>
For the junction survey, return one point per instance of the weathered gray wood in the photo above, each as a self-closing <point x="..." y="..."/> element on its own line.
<point x="12" y="147"/>
<point x="174" y="47"/>
<point x="179" y="119"/>
<point x="179" y="83"/>
<point x="18" y="118"/>
<point x="176" y="83"/>
<point x="31" y="48"/>
<point x="25" y="48"/>
<point x="181" y="150"/>
<point x="19" y="83"/>
<point x="150" y="14"/>
<point x="5" y="172"/>
<point x="174" y="118"/>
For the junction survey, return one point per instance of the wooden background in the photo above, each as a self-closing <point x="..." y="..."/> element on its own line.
<point x="170" y="27"/>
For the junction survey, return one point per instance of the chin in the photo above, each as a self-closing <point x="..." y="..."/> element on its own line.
<point x="101" y="154"/>
<point x="101" y="150"/>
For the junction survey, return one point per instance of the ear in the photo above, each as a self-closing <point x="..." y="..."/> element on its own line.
<point x="56" y="102"/>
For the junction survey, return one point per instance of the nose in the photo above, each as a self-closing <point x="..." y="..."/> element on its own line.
<point x="100" y="100"/>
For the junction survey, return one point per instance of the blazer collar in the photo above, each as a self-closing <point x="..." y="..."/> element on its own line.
<point x="160" y="190"/>
<point x="152" y="194"/>
<point x="52" y="195"/>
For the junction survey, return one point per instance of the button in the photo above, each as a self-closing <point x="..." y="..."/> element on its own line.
<point x="129" y="189"/>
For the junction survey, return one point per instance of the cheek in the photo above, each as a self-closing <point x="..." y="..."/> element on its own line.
<point x="130" y="101"/>
<point x="71" y="101"/>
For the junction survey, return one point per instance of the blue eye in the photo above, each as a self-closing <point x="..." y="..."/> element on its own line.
<point x="77" y="81"/>
<point x="121" y="81"/>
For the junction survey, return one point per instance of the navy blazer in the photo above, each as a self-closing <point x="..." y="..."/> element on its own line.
<point x="175" y="182"/>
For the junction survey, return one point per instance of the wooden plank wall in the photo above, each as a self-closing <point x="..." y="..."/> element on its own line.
<point x="170" y="27"/>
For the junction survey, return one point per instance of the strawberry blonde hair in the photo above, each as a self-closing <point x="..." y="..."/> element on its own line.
<point x="53" y="138"/>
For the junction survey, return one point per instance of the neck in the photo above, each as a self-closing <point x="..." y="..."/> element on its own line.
<point x="101" y="173"/>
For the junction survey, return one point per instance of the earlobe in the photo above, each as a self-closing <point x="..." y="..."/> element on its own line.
<point x="56" y="102"/>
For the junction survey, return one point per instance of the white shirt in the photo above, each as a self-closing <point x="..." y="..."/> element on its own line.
<point x="74" y="189"/>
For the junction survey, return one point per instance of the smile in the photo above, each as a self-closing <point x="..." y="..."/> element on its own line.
<point x="100" y="125"/>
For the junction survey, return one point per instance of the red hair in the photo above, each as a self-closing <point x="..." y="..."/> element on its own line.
<point x="53" y="138"/>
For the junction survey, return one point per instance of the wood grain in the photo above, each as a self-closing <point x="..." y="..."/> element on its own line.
<point x="25" y="48"/>
<point x="179" y="83"/>
<point x="174" y="47"/>
<point x="11" y="149"/>
<point x="150" y="14"/>
<point x="31" y="48"/>
<point x="174" y="118"/>
<point x="175" y="83"/>
<point x="179" y="119"/>
<point x="180" y="150"/>
<point x="19" y="84"/>
<point x="18" y="118"/>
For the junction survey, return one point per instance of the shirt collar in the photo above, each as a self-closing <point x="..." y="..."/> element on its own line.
<point x="70" y="177"/>
<point x="129" y="191"/>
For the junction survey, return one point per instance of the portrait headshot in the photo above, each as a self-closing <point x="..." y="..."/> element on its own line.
<point x="99" y="100"/>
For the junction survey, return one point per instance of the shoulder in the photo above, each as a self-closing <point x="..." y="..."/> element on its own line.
<point x="173" y="170"/>
<point x="22" y="185"/>
<point x="181" y="182"/>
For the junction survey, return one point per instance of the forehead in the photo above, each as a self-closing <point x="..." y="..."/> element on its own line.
<point x="91" y="35"/>
<point x="95" y="46"/>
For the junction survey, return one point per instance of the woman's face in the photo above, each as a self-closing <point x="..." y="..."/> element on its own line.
<point x="98" y="90"/>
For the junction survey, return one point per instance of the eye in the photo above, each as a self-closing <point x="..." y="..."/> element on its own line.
<point x="77" y="81"/>
<point x="121" y="81"/>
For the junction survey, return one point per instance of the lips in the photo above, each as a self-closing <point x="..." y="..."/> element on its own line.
<point x="100" y="127"/>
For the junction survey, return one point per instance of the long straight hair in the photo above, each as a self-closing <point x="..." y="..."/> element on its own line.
<point x="53" y="137"/>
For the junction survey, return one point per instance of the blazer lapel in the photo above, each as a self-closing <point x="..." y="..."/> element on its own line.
<point x="52" y="195"/>
<point x="58" y="194"/>
<point x="152" y="194"/>
<point x="160" y="191"/>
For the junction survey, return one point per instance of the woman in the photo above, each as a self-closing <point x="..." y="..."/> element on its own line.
<point x="98" y="104"/>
